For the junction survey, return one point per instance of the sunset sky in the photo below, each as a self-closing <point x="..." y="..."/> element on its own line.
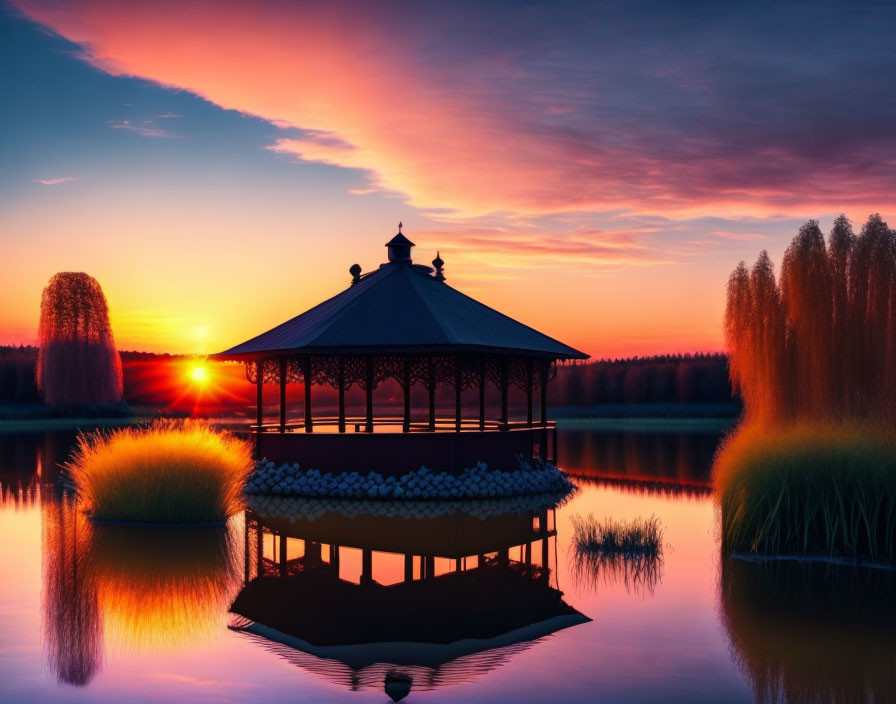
<point x="594" y="170"/>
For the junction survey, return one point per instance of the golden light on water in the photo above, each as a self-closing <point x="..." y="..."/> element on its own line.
<point x="161" y="594"/>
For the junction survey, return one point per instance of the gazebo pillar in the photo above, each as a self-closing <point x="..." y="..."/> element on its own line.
<point x="481" y="393"/>
<point x="544" y="392"/>
<point x="458" y="384"/>
<point x="366" y="566"/>
<point x="369" y="379"/>
<point x="259" y="548"/>
<point x="283" y="394"/>
<point x="504" y="390"/>
<point x="306" y="377"/>
<point x="406" y="384"/>
<point x="259" y="393"/>
<point x="432" y="395"/>
<point x="340" y="382"/>
<point x="283" y="559"/>
<point x="530" y="382"/>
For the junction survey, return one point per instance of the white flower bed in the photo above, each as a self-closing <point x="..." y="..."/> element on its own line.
<point x="293" y="509"/>
<point x="479" y="482"/>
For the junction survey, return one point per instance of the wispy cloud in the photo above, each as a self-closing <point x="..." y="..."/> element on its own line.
<point x="583" y="249"/>
<point x="724" y="235"/>
<point x="54" y="181"/>
<point x="726" y="115"/>
<point x="141" y="130"/>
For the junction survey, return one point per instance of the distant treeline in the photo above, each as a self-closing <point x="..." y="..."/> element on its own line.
<point x="671" y="378"/>
<point x="17" y="374"/>
<point x="18" y="365"/>
<point x="682" y="378"/>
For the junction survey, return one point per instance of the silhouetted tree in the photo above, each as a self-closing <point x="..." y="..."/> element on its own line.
<point x="78" y="363"/>
<point x="821" y="344"/>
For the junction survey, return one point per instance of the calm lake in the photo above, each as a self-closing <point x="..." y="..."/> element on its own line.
<point x="268" y="610"/>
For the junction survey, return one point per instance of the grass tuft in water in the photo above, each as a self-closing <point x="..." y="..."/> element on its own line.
<point x="611" y="551"/>
<point x="169" y="472"/>
<point x="809" y="489"/>
<point x="636" y="538"/>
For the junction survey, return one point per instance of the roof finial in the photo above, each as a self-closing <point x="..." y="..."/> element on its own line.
<point x="355" y="271"/>
<point x="399" y="247"/>
<point x="438" y="264"/>
<point x="399" y="226"/>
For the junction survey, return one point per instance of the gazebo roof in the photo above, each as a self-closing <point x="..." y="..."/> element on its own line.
<point x="401" y="308"/>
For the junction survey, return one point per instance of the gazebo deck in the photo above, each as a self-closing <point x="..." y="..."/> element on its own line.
<point x="390" y="450"/>
<point x="387" y="424"/>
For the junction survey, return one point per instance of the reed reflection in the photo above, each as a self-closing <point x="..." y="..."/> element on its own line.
<point x="372" y="595"/>
<point x="134" y="589"/>
<point x="607" y="552"/>
<point x="664" y="463"/>
<point x="72" y="624"/>
<point x="162" y="588"/>
<point x="809" y="632"/>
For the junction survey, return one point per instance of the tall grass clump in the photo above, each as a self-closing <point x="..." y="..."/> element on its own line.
<point x="610" y="551"/>
<point x="169" y="472"/>
<point x="809" y="489"/>
<point x="812" y="468"/>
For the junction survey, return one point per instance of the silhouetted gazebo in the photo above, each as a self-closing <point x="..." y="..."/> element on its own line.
<point x="402" y="322"/>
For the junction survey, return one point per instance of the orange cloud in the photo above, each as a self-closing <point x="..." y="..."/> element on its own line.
<point x="455" y="130"/>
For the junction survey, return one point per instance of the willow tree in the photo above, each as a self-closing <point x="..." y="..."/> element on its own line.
<point x="820" y="343"/>
<point x="806" y="298"/>
<point x="78" y="364"/>
<point x="840" y="244"/>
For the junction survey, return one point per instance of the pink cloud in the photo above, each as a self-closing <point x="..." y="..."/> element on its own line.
<point x="54" y="181"/>
<point x="725" y="235"/>
<point x="471" y="132"/>
<point x="580" y="249"/>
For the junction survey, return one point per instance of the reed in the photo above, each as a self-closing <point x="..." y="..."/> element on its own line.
<point x="610" y="551"/>
<point x="809" y="489"/>
<point x="169" y="472"/>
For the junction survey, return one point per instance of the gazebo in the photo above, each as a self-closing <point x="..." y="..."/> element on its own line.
<point x="401" y="321"/>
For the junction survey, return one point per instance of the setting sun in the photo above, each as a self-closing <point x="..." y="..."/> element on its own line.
<point x="199" y="374"/>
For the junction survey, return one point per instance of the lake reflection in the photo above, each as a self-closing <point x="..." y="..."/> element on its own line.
<point x="134" y="588"/>
<point x="353" y="601"/>
<point x="812" y="632"/>
<point x="408" y="600"/>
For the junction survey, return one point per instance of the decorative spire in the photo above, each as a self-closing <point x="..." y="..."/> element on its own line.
<point x="438" y="264"/>
<point x="399" y="247"/>
<point x="355" y="271"/>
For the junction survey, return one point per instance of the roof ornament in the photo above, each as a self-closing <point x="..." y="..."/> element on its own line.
<point x="399" y="247"/>
<point x="438" y="264"/>
<point x="355" y="271"/>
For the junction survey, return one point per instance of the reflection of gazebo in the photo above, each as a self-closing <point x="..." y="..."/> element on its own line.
<point x="400" y="322"/>
<point x="472" y="593"/>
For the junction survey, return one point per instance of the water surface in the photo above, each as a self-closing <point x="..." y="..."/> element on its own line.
<point x="490" y="593"/>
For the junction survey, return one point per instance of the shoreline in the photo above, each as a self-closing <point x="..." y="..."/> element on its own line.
<point x="831" y="560"/>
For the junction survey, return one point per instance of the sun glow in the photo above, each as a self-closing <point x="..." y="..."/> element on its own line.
<point x="198" y="374"/>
